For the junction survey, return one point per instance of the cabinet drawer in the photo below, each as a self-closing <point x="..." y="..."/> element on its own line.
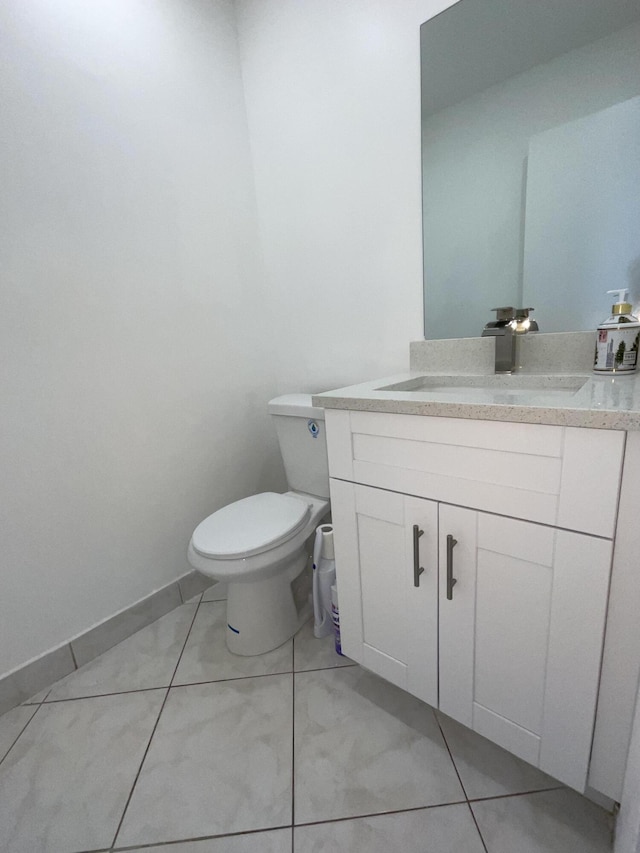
<point x="562" y="476"/>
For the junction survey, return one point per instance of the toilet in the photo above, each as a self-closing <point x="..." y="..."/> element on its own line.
<point x="258" y="545"/>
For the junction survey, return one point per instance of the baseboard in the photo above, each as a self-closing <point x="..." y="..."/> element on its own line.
<point x="35" y="676"/>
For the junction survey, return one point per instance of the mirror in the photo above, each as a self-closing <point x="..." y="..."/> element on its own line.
<point x="531" y="161"/>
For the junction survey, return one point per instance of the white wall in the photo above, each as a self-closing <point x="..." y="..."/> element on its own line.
<point x="137" y="346"/>
<point x="134" y="336"/>
<point x="333" y="100"/>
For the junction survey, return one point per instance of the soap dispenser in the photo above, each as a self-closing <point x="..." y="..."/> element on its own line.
<point x="618" y="337"/>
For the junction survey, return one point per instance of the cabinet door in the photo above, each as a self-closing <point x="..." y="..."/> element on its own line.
<point x="521" y="636"/>
<point x="388" y="623"/>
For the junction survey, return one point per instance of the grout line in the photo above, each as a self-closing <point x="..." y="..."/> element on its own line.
<point x="473" y="818"/>
<point x="172" y="683"/>
<point x="455" y="767"/>
<point x="101" y="695"/>
<point x="135" y="781"/>
<point x="293" y="737"/>
<point x="325" y="668"/>
<point x="174" y="686"/>
<point x="21" y="732"/>
<point x="293" y="754"/>
<point x="96" y="850"/>
<point x="517" y="794"/>
<point x="153" y="731"/>
<point x="169" y="844"/>
<point x="184" y="645"/>
<point x="484" y="799"/>
<point x="451" y="756"/>
<point x="235" y="678"/>
<point x="294" y="826"/>
<point x="379" y="814"/>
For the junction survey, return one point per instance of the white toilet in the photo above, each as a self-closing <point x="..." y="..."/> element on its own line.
<point x="258" y="545"/>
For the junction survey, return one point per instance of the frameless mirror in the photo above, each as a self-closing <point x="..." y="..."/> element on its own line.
<point x="531" y="161"/>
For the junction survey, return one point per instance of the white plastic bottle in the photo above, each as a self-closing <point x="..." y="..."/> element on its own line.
<point x="324" y="575"/>
<point x="618" y="338"/>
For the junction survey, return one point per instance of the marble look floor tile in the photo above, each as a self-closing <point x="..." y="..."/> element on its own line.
<point x="445" y="829"/>
<point x="546" y="822"/>
<point x="217" y="592"/>
<point x="207" y="658"/>
<point x="487" y="770"/>
<point x="363" y="746"/>
<point x="11" y="725"/>
<point x="273" y="841"/>
<point x="145" y="660"/>
<point x="65" y="783"/>
<point x="220" y="761"/>
<point x="309" y="652"/>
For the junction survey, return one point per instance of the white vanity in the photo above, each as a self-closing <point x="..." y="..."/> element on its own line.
<point x="474" y="549"/>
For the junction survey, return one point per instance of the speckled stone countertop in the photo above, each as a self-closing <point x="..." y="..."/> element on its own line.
<point x="578" y="398"/>
<point x="600" y="402"/>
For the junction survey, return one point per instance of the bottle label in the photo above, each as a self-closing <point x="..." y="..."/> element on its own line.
<point x="617" y="350"/>
<point x="335" y="618"/>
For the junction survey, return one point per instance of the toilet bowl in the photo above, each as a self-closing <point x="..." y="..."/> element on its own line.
<point x="259" y="545"/>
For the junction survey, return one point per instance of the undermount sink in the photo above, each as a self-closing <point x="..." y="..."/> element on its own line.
<point x="507" y="388"/>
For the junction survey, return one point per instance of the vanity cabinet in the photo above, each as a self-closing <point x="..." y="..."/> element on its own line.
<point x="473" y="563"/>
<point x="521" y="636"/>
<point x="391" y="620"/>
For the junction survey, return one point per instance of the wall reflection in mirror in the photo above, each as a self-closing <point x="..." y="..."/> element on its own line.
<point x="531" y="161"/>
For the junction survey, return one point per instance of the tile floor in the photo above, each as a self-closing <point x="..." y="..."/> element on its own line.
<point x="168" y="743"/>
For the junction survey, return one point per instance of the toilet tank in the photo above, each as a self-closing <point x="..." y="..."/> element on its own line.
<point x="303" y="443"/>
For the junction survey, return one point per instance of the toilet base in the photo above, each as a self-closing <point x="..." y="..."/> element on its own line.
<point x="262" y="615"/>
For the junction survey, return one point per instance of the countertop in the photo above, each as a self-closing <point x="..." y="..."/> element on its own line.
<point x="602" y="402"/>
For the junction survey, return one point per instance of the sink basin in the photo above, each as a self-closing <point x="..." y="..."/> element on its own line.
<point x="513" y="389"/>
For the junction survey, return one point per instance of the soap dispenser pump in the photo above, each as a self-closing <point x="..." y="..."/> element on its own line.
<point x="618" y="338"/>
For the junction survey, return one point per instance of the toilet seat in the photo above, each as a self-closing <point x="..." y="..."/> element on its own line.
<point x="250" y="526"/>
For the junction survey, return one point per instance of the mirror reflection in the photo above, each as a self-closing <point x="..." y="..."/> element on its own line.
<point x="531" y="161"/>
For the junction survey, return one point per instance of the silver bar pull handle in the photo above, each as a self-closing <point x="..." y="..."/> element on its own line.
<point x="417" y="568"/>
<point x="451" y="581"/>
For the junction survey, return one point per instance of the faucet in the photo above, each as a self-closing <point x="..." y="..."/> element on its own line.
<point x="509" y="322"/>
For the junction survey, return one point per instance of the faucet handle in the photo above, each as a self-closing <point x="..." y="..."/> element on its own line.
<point x="505" y="313"/>
<point x="523" y="323"/>
<point x="513" y="319"/>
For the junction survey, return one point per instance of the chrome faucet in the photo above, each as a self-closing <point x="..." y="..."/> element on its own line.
<point x="509" y="322"/>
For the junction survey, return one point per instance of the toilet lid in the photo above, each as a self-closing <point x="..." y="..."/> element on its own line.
<point x="250" y="526"/>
